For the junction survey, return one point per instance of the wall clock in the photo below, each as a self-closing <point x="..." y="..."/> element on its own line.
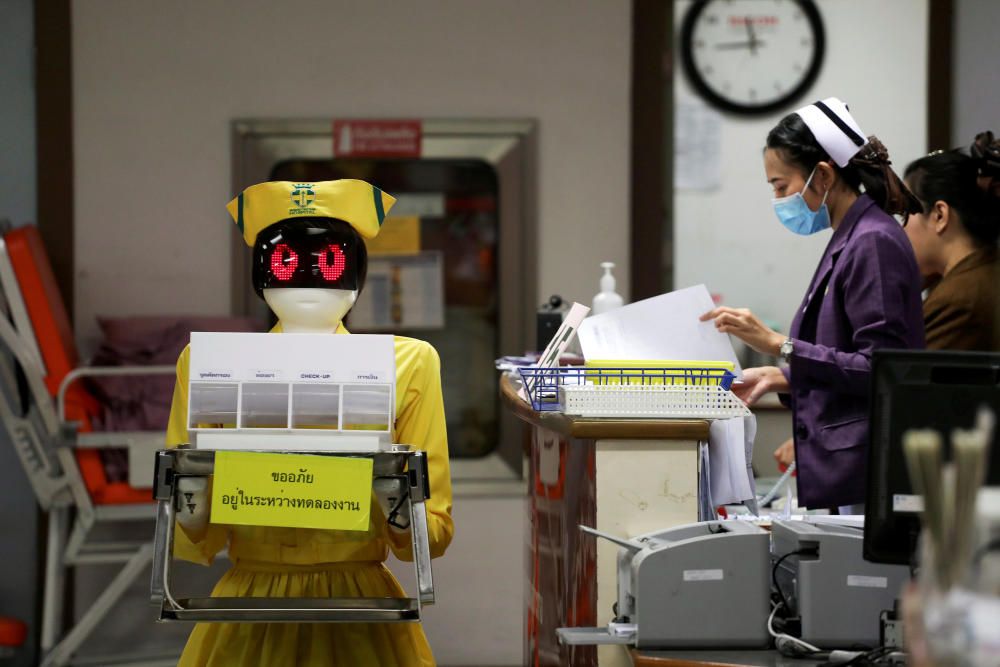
<point x="752" y="56"/>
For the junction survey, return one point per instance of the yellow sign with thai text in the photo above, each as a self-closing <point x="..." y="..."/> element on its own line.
<point x="292" y="490"/>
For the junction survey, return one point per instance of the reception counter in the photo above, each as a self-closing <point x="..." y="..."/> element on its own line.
<point x="624" y="477"/>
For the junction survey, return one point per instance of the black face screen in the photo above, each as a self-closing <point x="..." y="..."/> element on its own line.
<point x="308" y="253"/>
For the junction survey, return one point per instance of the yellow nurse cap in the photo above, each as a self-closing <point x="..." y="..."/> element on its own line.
<point x="360" y="204"/>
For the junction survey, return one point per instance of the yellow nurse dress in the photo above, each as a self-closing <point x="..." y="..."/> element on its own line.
<point x="299" y="562"/>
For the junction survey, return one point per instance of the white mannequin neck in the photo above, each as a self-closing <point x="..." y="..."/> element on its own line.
<point x="309" y="309"/>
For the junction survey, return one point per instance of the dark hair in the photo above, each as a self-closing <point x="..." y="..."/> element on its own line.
<point x="950" y="177"/>
<point x="986" y="151"/>
<point x="870" y="168"/>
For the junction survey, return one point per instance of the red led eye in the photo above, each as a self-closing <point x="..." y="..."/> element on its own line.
<point x="281" y="266"/>
<point x="333" y="268"/>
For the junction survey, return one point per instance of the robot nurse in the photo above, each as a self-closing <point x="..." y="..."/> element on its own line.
<point x="309" y="265"/>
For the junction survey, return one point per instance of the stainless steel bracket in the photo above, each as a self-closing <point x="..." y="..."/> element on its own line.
<point x="399" y="462"/>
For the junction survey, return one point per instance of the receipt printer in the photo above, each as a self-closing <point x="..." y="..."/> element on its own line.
<point x="548" y="320"/>
<point x="825" y="581"/>
<point x="698" y="585"/>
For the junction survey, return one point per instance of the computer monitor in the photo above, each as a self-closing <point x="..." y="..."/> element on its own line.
<point x="910" y="390"/>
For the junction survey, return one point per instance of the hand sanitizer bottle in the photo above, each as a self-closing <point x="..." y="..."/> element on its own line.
<point x="607" y="299"/>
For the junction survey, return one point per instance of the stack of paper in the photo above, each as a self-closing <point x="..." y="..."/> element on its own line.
<point x="663" y="327"/>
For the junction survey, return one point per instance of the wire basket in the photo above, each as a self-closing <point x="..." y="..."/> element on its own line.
<point x="542" y="385"/>
<point x="651" y="401"/>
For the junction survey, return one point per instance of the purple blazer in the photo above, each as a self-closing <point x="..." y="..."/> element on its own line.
<point x="864" y="296"/>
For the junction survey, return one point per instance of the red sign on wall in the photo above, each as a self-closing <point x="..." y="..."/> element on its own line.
<point x="376" y="138"/>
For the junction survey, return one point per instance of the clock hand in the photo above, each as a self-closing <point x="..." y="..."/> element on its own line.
<point x="752" y="34"/>
<point x="736" y="45"/>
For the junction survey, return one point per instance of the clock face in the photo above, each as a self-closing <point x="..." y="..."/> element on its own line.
<point x="752" y="56"/>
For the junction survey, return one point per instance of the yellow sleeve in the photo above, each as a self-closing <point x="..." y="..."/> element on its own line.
<point x="177" y="433"/>
<point x="420" y="423"/>
<point x="204" y="550"/>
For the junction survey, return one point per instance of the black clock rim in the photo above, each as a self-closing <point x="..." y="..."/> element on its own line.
<point x="811" y="12"/>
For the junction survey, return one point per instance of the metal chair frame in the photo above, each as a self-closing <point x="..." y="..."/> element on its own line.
<point x="45" y="443"/>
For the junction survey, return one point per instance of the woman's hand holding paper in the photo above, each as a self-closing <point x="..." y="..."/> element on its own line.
<point x="743" y="324"/>
<point x="759" y="381"/>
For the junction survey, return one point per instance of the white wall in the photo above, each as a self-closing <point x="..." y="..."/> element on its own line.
<point x="976" y="96"/>
<point x="729" y="237"/>
<point x="156" y="84"/>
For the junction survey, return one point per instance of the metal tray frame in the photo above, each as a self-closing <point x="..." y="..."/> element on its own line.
<point x="398" y="461"/>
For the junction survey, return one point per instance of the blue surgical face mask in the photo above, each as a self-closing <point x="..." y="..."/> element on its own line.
<point x="795" y="214"/>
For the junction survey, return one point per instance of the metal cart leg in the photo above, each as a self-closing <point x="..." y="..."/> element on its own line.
<point x="52" y="602"/>
<point x="161" y="554"/>
<point x="420" y="491"/>
<point x="64" y="650"/>
<point x="422" y="553"/>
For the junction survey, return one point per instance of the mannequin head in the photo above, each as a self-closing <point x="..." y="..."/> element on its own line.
<point x="309" y="256"/>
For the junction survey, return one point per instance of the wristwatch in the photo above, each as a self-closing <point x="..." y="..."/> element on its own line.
<point x="785" y="351"/>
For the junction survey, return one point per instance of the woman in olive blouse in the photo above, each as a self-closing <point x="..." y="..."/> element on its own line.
<point x="955" y="241"/>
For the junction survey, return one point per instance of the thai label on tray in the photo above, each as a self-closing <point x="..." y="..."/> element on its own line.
<point x="292" y="490"/>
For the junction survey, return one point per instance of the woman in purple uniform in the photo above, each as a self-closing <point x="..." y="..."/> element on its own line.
<point x="865" y="295"/>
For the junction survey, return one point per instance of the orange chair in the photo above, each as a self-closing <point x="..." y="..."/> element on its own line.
<point x="59" y="356"/>
<point x="48" y="416"/>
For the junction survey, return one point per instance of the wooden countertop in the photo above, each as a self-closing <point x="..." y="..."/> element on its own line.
<point x="598" y="429"/>
<point x="717" y="658"/>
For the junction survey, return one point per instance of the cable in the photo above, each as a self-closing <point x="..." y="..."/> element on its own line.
<point x="796" y="647"/>
<point x="851" y="658"/>
<point x="773" y="493"/>
<point x="774" y="576"/>
<point x="394" y="513"/>
<point x="782" y="640"/>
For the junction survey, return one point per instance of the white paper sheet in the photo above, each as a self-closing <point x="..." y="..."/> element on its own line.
<point x="663" y="327"/>
<point x="727" y="441"/>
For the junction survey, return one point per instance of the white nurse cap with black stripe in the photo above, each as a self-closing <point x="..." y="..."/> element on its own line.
<point x="834" y="128"/>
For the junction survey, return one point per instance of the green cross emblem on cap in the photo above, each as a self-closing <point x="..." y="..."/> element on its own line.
<point x="303" y="195"/>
